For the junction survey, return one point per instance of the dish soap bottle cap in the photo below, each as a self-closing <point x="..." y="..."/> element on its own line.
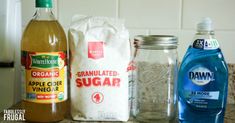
<point x="44" y="3"/>
<point x="205" y="25"/>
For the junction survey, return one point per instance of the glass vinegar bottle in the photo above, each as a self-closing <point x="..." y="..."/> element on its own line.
<point x="44" y="66"/>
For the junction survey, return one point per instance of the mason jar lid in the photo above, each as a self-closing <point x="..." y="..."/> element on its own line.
<point x="156" y="42"/>
<point x="156" y="39"/>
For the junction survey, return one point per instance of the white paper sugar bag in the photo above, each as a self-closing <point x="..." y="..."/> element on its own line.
<point x="100" y="53"/>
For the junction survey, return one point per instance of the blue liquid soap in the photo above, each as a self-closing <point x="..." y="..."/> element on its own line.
<point x="203" y="79"/>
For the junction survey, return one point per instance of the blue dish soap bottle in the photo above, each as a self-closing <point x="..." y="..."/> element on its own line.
<point x="203" y="79"/>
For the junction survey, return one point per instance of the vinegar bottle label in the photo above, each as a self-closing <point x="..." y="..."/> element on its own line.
<point x="45" y="76"/>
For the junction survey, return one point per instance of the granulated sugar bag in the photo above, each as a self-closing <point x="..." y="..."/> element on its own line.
<point x="100" y="53"/>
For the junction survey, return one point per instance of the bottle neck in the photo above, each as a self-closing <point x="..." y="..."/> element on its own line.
<point x="204" y="35"/>
<point x="208" y="34"/>
<point x="205" y="40"/>
<point x="44" y="14"/>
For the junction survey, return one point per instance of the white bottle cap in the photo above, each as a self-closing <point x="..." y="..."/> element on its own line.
<point x="205" y="25"/>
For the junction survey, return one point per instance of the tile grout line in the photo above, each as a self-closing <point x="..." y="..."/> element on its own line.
<point x="117" y="9"/>
<point x="180" y="26"/>
<point x="181" y="16"/>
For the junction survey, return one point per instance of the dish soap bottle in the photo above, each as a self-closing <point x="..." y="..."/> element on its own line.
<point x="203" y="79"/>
<point x="44" y="66"/>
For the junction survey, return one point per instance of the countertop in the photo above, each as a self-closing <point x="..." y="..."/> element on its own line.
<point x="229" y="117"/>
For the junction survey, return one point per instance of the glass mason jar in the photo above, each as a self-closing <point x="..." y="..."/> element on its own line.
<point x="155" y="75"/>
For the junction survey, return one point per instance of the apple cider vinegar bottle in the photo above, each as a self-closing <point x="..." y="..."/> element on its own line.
<point x="44" y="66"/>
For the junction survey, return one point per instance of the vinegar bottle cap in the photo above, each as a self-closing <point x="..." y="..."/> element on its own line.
<point x="44" y="3"/>
<point x="205" y="25"/>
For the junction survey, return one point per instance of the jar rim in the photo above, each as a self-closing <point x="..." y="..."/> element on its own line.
<point x="156" y="40"/>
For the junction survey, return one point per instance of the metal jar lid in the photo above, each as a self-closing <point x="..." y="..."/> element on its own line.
<point x="156" y="41"/>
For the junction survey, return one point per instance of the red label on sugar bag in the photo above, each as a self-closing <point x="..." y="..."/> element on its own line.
<point x="95" y="50"/>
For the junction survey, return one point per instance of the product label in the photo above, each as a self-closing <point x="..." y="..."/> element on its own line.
<point x="97" y="78"/>
<point x="45" y="76"/>
<point x="95" y="50"/>
<point x="202" y="99"/>
<point x="206" y="44"/>
<point x="201" y="76"/>
<point x="200" y="91"/>
<point x="212" y="95"/>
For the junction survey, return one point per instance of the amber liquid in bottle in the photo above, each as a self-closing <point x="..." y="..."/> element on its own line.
<point x="44" y="34"/>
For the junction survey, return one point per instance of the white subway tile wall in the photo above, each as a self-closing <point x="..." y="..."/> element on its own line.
<point x="177" y="17"/>
<point x="68" y="8"/>
<point x="221" y="11"/>
<point x="151" y="14"/>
